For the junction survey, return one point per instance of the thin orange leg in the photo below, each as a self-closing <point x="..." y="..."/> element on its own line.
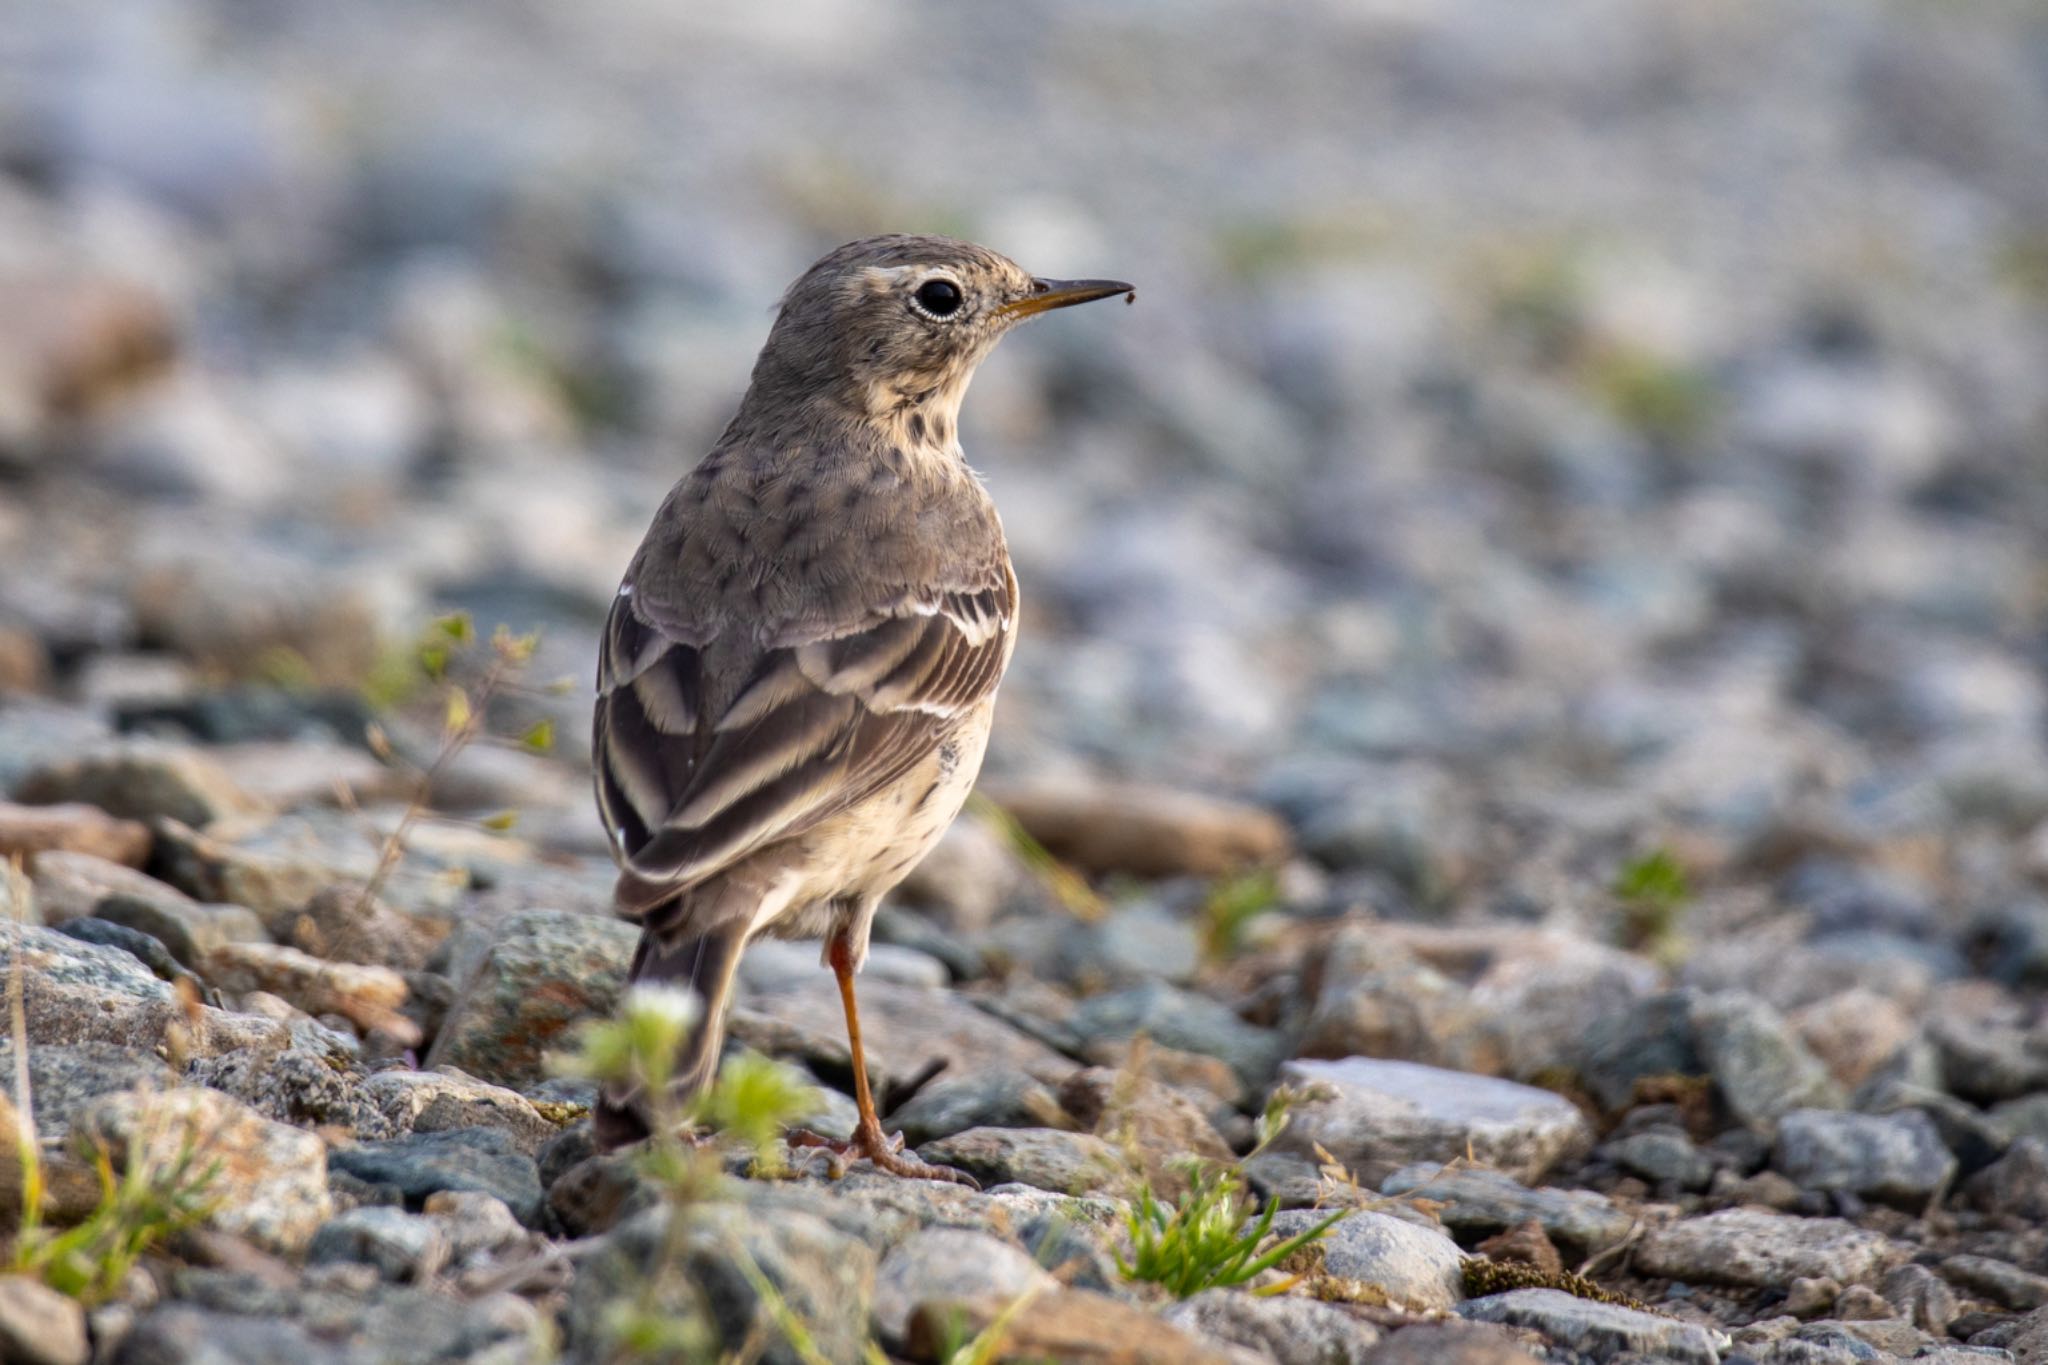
<point x="868" y="1140"/>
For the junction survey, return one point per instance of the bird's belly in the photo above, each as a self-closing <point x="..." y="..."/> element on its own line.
<point x="859" y="856"/>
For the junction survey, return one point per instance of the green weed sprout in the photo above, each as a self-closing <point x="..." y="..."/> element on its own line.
<point x="1209" y="1238"/>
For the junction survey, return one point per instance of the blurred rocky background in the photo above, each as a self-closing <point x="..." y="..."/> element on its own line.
<point x="1549" y="582"/>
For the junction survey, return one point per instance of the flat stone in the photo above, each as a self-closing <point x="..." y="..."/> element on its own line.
<point x="1287" y="1330"/>
<point x="275" y="866"/>
<point x="366" y="996"/>
<point x="991" y="1096"/>
<point x="421" y="1164"/>
<point x="288" y="774"/>
<point x="39" y="1326"/>
<point x="402" y="1247"/>
<point x="1478" y="1203"/>
<point x="1046" y="1158"/>
<point x="1661" y="1156"/>
<point x="1375" y="1116"/>
<point x="949" y="1263"/>
<point x="29" y="831"/>
<point x="1760" y="1249"/>
<point x="2000" y="1281"/>
<point x="544" y="972"/>
<point x="1382" y="1260"/>
<point x="72" y="885"/>
<point x="1147" y="831"/>
<point x="141" y="780"/>
<point x="1600" y="1331"/>
<point x="445" y="1100"/>
<point x="1450" y="1343"/>
<point x="75" y="992"/>
<point x="1068" y="1325"/>
<point x="270" y="1183"/>
<point x="188" y="929"/>
<point x="66" y="1078"/>
<point x="301" y="1086"/>
<point x="180" y="1334"/>
<point x="1183" y="1019"/>
<point x="1893" y="1158"/>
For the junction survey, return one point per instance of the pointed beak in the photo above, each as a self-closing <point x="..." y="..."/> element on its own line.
<point x="1046" y="295"/>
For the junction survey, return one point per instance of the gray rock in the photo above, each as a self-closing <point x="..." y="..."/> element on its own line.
<point x="1181" y="1019"/>
<point x="2016" y="1184"/>
<point x="1999" y="1281"/>
<point x="71" y="885"/>
<point x="298" y="1086"/>
<point x="1478" y="1203"/>
<point x="1377" y="1115"/>
<point x="39" y="1326"/>
<point x="1377" y="999"/>
<point x="1599" y="1331"/>
<point x="1976" y="1138"/>
<point x="1287" y="1330"/>
<point x="544" y="972"/>
<point x="270" y="1180"/>
<point x="1450" y="1343"/>
<point x="1921" y="1297"/>
<point x="401" y="1246"/>
<point x="142" y="780"/>
<point x="992" y="1096"/>
<point x="465" y="1159"/>
<point x="1651" y="1038"/>
<point x="64" y="1079"/>
<point x="189" y="929"/>
<point x="825" y="1277"/>
<point x="475" y="1224"/>
<point x="1984" y="1061"/>
<point x="1894" y="1158"/>
<point x="1407" y="1265"/>
<point x="1046" y="1158"/>
<point x="949" y="1263"/>
<point x="1756" y="1058"/>
<point x="179" y="1334"/>
<point x="1760" y="1249"/>
<point x="1659" y="1156"/>
<point x="1161" y="1127"/>
<point x="438" y="1101"/>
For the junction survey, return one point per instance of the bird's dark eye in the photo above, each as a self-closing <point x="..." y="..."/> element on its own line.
<point x="940" y="298"/>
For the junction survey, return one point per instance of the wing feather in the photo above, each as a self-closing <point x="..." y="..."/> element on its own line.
<point x="816" y="726"/>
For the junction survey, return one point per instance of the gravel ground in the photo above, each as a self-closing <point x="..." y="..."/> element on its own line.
<point x="1536" y="638"/>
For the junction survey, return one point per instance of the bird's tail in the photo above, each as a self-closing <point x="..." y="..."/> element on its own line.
<point x="705" y="964"/>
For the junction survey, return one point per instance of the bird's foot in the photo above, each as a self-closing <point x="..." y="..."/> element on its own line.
<point x="884" y="1153"/>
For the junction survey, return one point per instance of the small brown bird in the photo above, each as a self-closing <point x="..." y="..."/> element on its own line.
<point x="799" y="671"/>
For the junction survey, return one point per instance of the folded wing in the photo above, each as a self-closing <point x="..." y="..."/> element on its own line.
<point x="816" y="726"/>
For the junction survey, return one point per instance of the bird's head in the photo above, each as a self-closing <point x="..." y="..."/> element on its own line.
<point x="894" y="326"/>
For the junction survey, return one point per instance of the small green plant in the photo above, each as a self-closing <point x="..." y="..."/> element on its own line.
<point x="142" y="1206"/>
<point x="752" y="1101"/>
<point x="145" y="1204"/>
<point x="1653" y="890"/>
<point x="1211" y="1237"/>
<point x="1230" y="907"/>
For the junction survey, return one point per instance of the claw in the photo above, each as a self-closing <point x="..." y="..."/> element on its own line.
<point x="884" y="1153"/>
